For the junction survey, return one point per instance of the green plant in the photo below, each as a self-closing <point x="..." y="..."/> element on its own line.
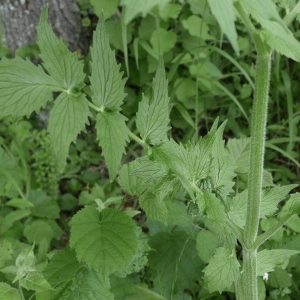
<point x="185" y="189"/>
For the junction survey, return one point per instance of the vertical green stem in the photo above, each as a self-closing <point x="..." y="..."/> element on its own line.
<point x="258" y="128"/>
<point x="257" y="149"/>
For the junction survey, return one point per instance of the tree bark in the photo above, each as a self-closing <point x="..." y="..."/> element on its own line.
<point x="20" y="17"/>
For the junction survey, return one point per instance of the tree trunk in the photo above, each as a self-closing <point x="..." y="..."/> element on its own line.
<point x="20" y="17"/>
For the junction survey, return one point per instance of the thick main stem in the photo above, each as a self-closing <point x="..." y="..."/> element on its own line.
<point x="258" y="128"/>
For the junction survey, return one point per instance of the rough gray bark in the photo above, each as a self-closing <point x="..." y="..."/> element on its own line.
<point x="19" y="18"/>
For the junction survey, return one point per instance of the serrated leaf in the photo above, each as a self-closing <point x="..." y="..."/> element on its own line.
<point x="107" y="84"/>
<point x="62" y="267"/>
<point x="222" y="270"/>
<point x="106" y="242"/>
<point x="112" y="134"/>
<point x="170" y="11"/>
<point x="153" y="207"/>
<point x="267" y="260"/>
<point x="177" y="214"/>
<point x="162" y="40"/>
<point x="24" y="87"/>
<point x="129" y="182"/>
<point x="175" y="261"/>
<point x="87" y="285"/>
<point x="59" y="61"/>
<point x="224" y="14"/>
<point x="274" y="32"/>
<point x="271" y="198"/>
<point x="67" y="119"/>
<point x="35" y="281"/>
<point x="25" y="263"/>
<point x="8" y="293"/>
<point x="239" y="151"/>
<point x="139" y="259"/>
<point x="293" y="204"/>
<point x="152" y="118"/>
<point x="207" y="243"/>
<point x="135" y="7"/>
<point x="215" y="209"/>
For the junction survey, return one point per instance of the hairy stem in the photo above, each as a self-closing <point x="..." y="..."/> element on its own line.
<point x="257" y="149"/>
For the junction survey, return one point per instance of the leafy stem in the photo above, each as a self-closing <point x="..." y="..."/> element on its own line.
<point x="138" y="140"/>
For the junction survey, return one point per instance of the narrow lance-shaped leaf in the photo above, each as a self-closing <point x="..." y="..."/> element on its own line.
<point x="224" y="13"/>
<point x="67" y="118"/>
<point x="59" y="61"/>
<point x="152" y="118"/>
<point x="24" y="88"/>
<point x="107" y="84"/>
<point x="112" y="134"/>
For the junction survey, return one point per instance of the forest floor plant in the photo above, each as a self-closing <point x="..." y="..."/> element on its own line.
<point x="105" y="243"/>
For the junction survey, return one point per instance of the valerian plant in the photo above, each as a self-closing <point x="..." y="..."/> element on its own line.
<point x="105" y="244"/>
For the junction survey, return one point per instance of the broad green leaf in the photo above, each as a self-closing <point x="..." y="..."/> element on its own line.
<point x="139" y="259"/>
<point x="67" y="119"/>
<point x="177" y="214"/>
<point x="44" y="206"/>
<point x="112" y="134"/>
<point x="153" y="207"/>
<point x="124" y="289"/>
<point x="270" y="222"/>
<point x="35" y="281"/>
<point x="271" y="197"/>
<point x="8" y="293"/>
<point x="170" y="11"/>
<point x="185" y="88"/>
<point x="224" y="13"/>
<point x="274" y="32"/>
<point x="87" y="285"/>
<point x="6" y="252"/>
<point x="239" y="152"/>
<point x="108" y="8"/>
<point x="293" y="204"/>
<point x="24" y="87"/>
<point x="59" y="61"/>
<point x="135" y="7"/>
<point x="129" y="182"/>
<point x="174" y="261"/>
<point x="25" y="263"/>
<point x="267" y="260"/>
<point x="41" y="233"/>
<point x="214" y="209"/>
<point x="107" y="84"/>
<point x="62" y="267"/>
<point x="222" y="270"/>
<point x="162" y="40"/>
<point x="152" y="118"/>
<point x="279" y="279"/>
<point x="106" y="242"/>
<point x="197" y="27"/>
<point x="149" y="171"/>
<point x="207" y="243"/>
